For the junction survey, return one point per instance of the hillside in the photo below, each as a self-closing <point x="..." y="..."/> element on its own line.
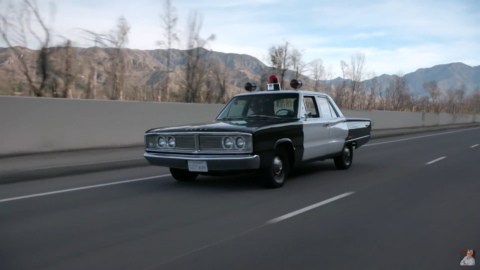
<point x="147" y="68"/>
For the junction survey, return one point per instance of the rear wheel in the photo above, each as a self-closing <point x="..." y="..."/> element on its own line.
<point x="344" y="161"/>
<point x="275" y="175"/>
<point x="183" y="175"/>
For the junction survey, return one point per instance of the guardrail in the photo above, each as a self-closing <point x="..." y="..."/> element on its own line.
<point x="35" y="125"/>
<point x="393" y="119"/>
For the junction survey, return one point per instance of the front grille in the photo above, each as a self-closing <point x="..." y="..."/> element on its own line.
<point x="185" y="142"/>
<point x="196" y="143"/>
<point x="210" y="142"/>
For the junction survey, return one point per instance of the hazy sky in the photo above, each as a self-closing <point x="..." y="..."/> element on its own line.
<point x="399" y="35"/>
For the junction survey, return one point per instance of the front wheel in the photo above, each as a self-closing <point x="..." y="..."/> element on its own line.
<point x="275" y="175"/>
<point x="344" y="161"/>
<point x="183" y="175"/>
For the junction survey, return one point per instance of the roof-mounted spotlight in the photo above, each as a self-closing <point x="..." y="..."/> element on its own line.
<point x="250" y="87"/>
<point x="296" y="84"/>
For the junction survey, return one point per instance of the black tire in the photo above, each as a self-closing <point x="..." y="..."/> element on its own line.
<point x="276" y="175"/>
<point x="183" y="175"/>
<point x="344" y="161"/>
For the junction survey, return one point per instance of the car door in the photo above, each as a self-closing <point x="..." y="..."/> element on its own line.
<point x="315" y="130"/>
<point x="337" y="125"/>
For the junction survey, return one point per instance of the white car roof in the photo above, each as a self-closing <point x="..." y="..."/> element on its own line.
<point x="283" y="92"/>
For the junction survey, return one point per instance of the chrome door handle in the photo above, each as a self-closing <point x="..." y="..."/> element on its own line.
<point x="325" y="125"/>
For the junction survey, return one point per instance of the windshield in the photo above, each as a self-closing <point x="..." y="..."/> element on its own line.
<point x="267" y="105"/>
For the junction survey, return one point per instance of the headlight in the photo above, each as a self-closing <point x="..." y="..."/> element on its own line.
<point x="240" y="142"/>
<point x="171" y="142"/>
<point x="162" y="142"/>
<point x="227" y="143"/>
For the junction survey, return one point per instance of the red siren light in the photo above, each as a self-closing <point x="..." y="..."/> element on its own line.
<point x="272" y="79"/>
<point x="272" y="84"/>
<point x="295" y="84"/>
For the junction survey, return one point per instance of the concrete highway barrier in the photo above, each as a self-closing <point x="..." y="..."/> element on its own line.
<point x="37" y="125"/>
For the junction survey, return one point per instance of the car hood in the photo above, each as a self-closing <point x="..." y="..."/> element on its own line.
<point x="248" y="126"/>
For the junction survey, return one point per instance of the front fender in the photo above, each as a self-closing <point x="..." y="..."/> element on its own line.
<point x="266" y="140"/>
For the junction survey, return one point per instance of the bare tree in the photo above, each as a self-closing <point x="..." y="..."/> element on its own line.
<point x="375" y="88"/>
<point x="460" y="98"/>
<point x="209" y="95"/>
<point x="356" y="73"/>
<point x="341" y="87"/>
<point x="454" y="99"/>
<point x="221" y="74"/>
<point x="297" y="63"/>
<point x="474" y="101"/>
<point x="328" y="85"/>
<point x="318" y="73"/>
<point x="92" y="82"/>
<point x="397" y="93"/>
<point x="169" y="23"/>
<point x="434" y="91"/>
<point x="69" y="76"/>
<point x="280" y="58"/>
<point x="15" y="25"/>
<point x="450" y="101"/>
<point x="264" y="79"/>
<point x="195" y="68"/>
<point x="115" y="66"/>
<point x="421" y="104"/>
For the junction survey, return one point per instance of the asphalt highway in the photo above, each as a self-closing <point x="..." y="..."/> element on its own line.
<point x="408" y="202"/>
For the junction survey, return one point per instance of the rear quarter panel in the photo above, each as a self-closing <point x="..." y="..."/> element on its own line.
<point x="359" y="129"/>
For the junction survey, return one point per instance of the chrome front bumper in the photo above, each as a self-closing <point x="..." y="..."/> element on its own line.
<point x="214" y="162"/>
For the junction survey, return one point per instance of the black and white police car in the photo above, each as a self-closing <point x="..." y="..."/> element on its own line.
<point x="266" y="131"/>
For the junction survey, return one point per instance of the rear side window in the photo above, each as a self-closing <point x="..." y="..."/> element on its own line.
<point x="332" y="110"/>
<point x="324" y="108"/>
<point x="311" y="106"/>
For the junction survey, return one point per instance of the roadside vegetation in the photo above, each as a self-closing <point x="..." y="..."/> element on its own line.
<point x="107" y="71"/>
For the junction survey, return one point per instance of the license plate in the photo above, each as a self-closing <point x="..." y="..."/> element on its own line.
<point x="197" y="166"/>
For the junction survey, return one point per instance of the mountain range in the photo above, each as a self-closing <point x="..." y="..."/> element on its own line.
<point x="147" y="67"/>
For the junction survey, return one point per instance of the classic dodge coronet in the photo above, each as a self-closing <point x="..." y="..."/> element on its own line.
<point x="267" y="131"/>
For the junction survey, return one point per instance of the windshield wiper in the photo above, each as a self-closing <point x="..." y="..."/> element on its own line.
<point x="262" y="116"/>
<point x="232" y="118"/>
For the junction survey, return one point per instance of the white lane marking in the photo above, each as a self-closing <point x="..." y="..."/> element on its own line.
<point x="289" y="215"/>
<point x="419" y="137"/>
<point x="81" y="188"/>
<point x="433" y="161"/>
<point x="250" y="230"/>
<point x="473" y="146"/>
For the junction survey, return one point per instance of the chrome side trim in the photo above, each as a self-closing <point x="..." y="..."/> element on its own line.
<point x="191" y="132"/>
<point x="358" y="138"/>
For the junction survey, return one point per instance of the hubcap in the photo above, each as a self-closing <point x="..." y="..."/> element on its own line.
<point x="346" y="156"/>
<point x="277" y="165"/>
